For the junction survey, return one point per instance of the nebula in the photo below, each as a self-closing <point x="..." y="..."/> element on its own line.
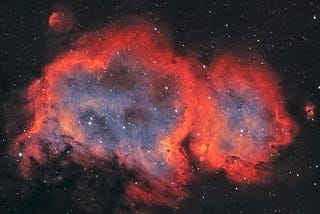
<point x="124" y="94"/>
<point x="246" y="122"/>
<point x="61" y="21"/>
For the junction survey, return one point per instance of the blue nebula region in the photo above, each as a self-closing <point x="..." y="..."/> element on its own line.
<point x="247" y="121"/>
<point x="127" y="104"/>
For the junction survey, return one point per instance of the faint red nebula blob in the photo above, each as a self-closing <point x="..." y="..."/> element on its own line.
<point x="309" y="109"/>
<point x="61" y="21"/>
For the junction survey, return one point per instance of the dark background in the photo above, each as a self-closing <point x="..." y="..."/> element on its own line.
<point x="285" y="33"/>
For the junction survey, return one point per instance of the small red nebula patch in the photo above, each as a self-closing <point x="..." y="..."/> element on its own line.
<point x="123" y="92"/>
<point x="61" y="21"/>
<point x="309" y="110"/>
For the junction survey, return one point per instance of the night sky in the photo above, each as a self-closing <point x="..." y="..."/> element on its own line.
<point x="283" y="33"/>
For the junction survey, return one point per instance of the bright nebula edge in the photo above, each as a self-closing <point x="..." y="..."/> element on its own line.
<point x="123" y="95"/>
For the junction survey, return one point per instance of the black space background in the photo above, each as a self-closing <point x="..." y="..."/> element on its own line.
<point x="285" y="33"/>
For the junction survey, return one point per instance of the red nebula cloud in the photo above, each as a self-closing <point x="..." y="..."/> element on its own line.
<point x="61" y="21"/>
<point x="309" y="109"/>
<point x="245" y="119"/>
<point x="123" y="92"/>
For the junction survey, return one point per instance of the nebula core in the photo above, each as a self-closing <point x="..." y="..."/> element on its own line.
<point x="123" y="94"/>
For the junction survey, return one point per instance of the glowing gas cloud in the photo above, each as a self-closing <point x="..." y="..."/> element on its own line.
<point x="124" y="93"/>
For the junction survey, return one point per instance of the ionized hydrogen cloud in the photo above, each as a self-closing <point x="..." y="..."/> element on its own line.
<point x="123" y="93"/>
